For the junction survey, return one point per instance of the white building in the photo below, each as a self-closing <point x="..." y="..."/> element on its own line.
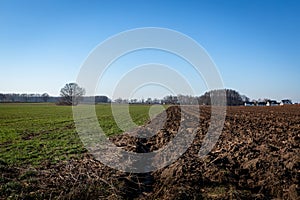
<point x="286" y="102"/>
<point x="272" y="103"/>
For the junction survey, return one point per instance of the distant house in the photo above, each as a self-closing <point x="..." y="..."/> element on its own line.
<point x="272" y="103"/>
<point x="248" y="103"/>
<point x="285" y="102"/>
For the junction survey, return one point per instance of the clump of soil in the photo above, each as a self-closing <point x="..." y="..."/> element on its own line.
<point x="256" y="157"/>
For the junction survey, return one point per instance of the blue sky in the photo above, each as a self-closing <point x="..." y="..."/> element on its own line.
<point x="254" y="44"/>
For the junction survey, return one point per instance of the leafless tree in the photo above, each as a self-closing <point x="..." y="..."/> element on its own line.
<point x="45" y="97"/>
<point x="71" y="94"/>
<point x="2" y="97"/>
<point x="233" y="98"/>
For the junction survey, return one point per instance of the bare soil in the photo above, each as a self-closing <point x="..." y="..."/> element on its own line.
<point x="256" y="157"/>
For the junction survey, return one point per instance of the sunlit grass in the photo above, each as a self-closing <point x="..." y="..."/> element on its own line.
<point x="36" y="133"/>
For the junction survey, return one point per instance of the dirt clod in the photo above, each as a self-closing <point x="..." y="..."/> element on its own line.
<point x="256" y="157"/>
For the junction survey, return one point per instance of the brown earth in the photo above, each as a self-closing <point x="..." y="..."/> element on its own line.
<point x="256" y="157"/>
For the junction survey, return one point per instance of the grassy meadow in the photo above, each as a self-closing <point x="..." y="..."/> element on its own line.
<point x="31" y="134"/>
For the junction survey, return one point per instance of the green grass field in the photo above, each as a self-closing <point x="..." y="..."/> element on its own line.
<point x="31" y="134"/>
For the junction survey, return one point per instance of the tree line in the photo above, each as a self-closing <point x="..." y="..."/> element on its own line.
<point x="41" y="98"/>
<point x="32" y="98"/>
<point x="72" y="94"/>
<point x="232" y="97"/>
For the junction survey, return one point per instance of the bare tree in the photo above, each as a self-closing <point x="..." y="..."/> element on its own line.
<point x="2" y="97"/>
<point x="71" y="94"/>
<point x="245" y="98"/>
<point x="233" y="98"/>
<point x="119" y="100"/>
<point x="45" y="97"/>
<point x="149" y="101"/>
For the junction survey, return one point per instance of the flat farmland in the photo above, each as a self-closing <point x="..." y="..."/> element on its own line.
<point x="33" y="133"/>
<point x="256" y="156"/>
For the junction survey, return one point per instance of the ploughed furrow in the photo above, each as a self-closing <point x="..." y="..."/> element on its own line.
<point x="257" y="156"/>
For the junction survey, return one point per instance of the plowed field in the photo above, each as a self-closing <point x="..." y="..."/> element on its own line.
<point x="256" y="157"/>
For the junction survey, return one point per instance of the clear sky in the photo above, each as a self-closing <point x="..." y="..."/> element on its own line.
<point x="254" y="44"/>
